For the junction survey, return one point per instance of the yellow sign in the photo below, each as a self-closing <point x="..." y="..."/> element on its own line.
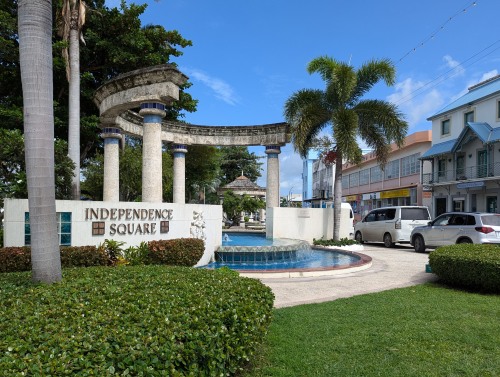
<point x="351" y="198"/>
<point x="395" y="194"/>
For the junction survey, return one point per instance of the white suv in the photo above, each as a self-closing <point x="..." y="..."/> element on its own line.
<point x="391" y="224"/>
<point x="457" y="227"/>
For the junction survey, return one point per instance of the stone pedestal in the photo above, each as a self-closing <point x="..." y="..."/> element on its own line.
<point x="111" y="179"/>
<point x="273" y="176"/>
<point x="152" y="188"/>
<point x="179" y="184"/>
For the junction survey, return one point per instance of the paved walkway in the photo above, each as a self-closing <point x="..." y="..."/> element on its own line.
<point x="391" y="268"/>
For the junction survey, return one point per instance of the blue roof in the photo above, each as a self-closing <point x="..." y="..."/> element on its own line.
<point x="483" y="131"/>
<point x="438" y="149"/>
<point x="475" y="93"/>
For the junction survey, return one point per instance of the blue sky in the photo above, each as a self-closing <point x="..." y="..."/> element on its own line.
<point x="248" y="57"/>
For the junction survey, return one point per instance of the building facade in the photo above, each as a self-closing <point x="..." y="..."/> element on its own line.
<point x="464" y="160"/>
<point x="307" y="174"/>
<point x="368" y="185"/>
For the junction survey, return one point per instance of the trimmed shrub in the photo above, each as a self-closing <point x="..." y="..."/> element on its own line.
<point x="176" y="252"/>
<point x="331" y="242"/>
<point x="138" y="321"/>
<point x="468" y="266"/>
<point x="13" y="259"/>
<point x="83" y="256"/>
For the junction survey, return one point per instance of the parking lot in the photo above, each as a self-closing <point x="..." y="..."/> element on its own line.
<point x="391" y="268"/>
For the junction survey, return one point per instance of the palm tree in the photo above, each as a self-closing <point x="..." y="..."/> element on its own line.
<point x="35" y="55"/>
<point x="70" y="28"/>
<point x="378" y="123"/>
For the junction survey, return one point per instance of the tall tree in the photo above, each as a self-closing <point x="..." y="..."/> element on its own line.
<point x="116" y="42"/>
<point x="202" y="173"/>
<point x="378" y="123"/>
<point x="35" y="53"/>
<point x="237" y="160"/>
<point x="13" y="167"/>
<point x="72" y="21"/>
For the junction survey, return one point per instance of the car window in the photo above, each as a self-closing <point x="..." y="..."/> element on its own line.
<point x="370" y="217"/>
<point x="471" y="220"/>
<point x="390" y="214"/>
<point x="457" y="220"/>
<point x="442" y="220"/>
<point x="414" y="214"/>
<point x="381" y="216"/>
<point x="493" y="220"/>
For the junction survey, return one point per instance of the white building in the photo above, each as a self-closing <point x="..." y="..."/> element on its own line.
<point x="465" y="155"/>
<point x="367" y="186"/>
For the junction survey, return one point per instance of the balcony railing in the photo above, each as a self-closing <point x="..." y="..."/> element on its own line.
<point x="468" y="173"/>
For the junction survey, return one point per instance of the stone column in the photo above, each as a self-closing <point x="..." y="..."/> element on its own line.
<point x="273" y="176"/>
<point x="179" y="183"/>
<point x="152" y="189"/>
<point x="111" y="183"/>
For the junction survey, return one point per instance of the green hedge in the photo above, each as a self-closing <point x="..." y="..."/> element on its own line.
<point x="138" y="321"/>
<point x="177" y="252"/>
<point x="16" y="259"/>
<point x="83" y="256"/>
<point x="468" y="265"/>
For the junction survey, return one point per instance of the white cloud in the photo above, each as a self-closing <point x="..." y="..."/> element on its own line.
<point x="222" y="90"/>
<point x="454" y="65"/>
<point x="485" y="76"/>
<point x="415" y="102"/>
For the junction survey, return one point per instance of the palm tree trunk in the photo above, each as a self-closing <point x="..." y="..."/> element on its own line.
<point x="74" y="102"/>
<point x="35" y="55"/>
<point x="337" y="197"/>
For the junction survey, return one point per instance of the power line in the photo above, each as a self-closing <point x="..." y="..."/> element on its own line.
<point x="438" y="30"/>
<point x="448" y="74"/>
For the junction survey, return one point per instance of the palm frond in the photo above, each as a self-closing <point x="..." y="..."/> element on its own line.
<point x="341" y="85"/>
<point x="345" y="131"/>
<point x="380" y="124"/>
<point x="371" y="73"/>
<point x="324" y="65"/>
<point x="307" y="114"/>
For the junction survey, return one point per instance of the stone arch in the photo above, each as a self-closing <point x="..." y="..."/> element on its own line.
<point x="152" y="89"/>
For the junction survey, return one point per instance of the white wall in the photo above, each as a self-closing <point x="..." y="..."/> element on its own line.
<point x="306" y="223"/>
<point x="121" y="224"/>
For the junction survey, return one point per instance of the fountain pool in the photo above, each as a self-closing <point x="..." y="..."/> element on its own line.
<point x="252" y="254"/>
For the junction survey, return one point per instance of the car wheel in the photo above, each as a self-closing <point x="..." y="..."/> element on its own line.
<point x="388" y="240"/>
<point x="419" y="244"/>
<point x="359" y="237"/>
<point x="465" y="240"/>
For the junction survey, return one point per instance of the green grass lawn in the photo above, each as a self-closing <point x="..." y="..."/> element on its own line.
<point x="426" y="330"/>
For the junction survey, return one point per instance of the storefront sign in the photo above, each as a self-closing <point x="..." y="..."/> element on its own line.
<point x="465" y="185"/>
<point x="402" y="193"/>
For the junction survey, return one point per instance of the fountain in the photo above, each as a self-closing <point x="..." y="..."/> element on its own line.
<point x="253" y="254"/>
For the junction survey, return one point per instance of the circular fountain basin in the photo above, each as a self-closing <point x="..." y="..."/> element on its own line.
<point x="255" y="256"/>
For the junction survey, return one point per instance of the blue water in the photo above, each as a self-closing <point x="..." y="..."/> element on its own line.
<point x="246" y="239"/>
<point x="306" y="259"/>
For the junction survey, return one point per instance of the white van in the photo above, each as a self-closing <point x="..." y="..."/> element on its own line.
<point x="346" y="221"/>
<point x="391" y="225"/>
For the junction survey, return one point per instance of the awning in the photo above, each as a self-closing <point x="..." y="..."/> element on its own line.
<point x="438" y="149"/>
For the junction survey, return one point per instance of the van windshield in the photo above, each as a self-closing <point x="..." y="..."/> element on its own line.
<point x="414" y="214"/>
